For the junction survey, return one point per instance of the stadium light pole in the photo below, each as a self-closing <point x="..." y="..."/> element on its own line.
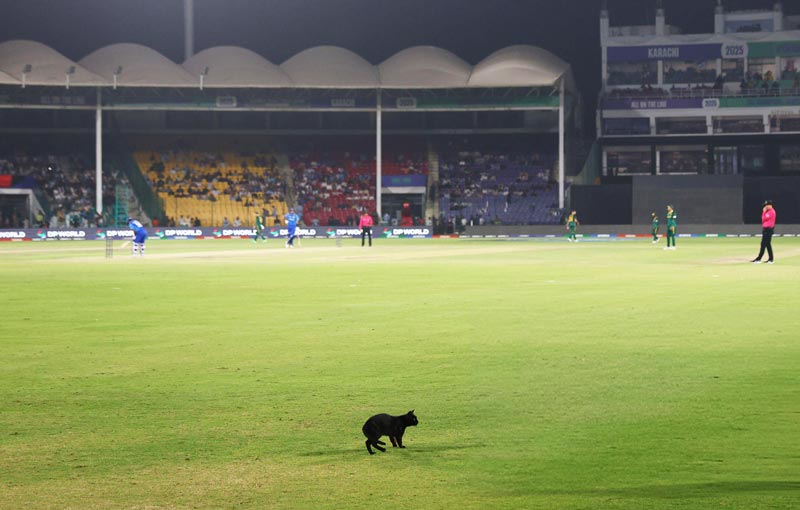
<point x="188" y="28"/>
<point x="70" y="72"/>
<point x="203" y="77"/>
<point x="117" y="72"/>
<point x="98" y="153"/>
<point x="561" y="144"/>
<point x="25" y="70"/>
<point x="378" y="154"/>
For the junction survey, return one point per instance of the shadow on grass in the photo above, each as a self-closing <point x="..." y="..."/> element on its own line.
<point x="362" y="450"/>
<point x="689" y="490"/>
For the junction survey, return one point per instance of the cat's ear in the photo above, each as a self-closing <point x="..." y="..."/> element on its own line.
<point x="411" y="412"/>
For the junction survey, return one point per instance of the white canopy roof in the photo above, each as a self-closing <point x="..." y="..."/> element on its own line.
<point x="47" y="66"/>
<point x="138" y="66"/>
<point x="330" y="67"/>
<point x="6" y="79"/>
<point x="319" y="67"/>
<point x="232" y="66"/>
<point x="517" y="66"/>
<point x="424" y="67"/>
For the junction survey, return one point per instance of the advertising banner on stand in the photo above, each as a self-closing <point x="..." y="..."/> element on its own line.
<point x="652" y="103"/>
<point x="167" y="233"/>
<point x="688" y="52"/>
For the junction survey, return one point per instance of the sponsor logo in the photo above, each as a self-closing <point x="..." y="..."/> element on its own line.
<point x="711" y="103"/>
<point x="410" y="232"/>
<point x="340" y="232"/>
<point x="12" y="235"/>
<point x="302" y="232"/>
<point x="178" y="232"/>
<point x="238" y="232"/>
<point x="115" y="233"/>
<point x="63" y="234"/>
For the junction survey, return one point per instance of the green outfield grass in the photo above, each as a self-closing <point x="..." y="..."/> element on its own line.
<point x="545" y="375"/>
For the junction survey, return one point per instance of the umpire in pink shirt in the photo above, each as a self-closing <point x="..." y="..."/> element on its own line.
<point x="767" y="229"/>
<point x="365" y="224"/>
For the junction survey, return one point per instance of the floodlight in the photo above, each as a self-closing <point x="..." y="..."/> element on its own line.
<point x="25" y="70"/>
<point x="70" y="72"/>
<point x="202" y="77"/>
<point x="117" y="72"/>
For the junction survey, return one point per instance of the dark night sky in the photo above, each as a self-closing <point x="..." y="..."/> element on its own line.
<point x="375" y="29"/>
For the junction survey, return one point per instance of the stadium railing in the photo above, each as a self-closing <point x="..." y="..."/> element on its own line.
<point x="150" y="202"/>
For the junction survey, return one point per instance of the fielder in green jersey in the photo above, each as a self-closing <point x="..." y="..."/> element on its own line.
<point x="672" y="227"/>
<point x="259" y="230"/>
<point x="654" y="227"/>
<point x="572" y="226"/>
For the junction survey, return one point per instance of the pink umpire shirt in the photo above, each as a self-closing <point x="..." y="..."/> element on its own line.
<point x="768" y="218"/>
<point x="366" y="221"/>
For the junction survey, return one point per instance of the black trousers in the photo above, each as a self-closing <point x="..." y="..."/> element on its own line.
<point x="766" y="242"/>
<point x="367" y="231"/>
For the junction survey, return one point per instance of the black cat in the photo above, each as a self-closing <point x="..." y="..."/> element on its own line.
<point x="385" y="425"/>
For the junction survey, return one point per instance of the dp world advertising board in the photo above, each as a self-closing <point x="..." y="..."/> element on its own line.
<point x="93" y="234"/>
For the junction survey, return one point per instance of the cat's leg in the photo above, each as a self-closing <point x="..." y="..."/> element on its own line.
<point x="381" y="448"/>
<point x="400" y="440"/>
<point x="369" y="449"/>
<point x="393" y="440"/>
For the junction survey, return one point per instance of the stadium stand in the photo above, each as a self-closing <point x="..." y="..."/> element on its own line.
<point x="205" y="180"/>
<point x="334" y="178"/>
<point x="64" y="184"/>
<point x="487" y="181"/>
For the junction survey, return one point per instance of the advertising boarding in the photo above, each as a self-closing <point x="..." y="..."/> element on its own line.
<point x="168" y="233"/>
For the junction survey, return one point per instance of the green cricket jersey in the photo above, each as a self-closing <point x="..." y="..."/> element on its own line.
<point x="572" y="221"/>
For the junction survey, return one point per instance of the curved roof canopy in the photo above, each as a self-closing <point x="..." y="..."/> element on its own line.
<point x="42" y="65"/>
<point x="232" y="66"/>
<point x="424" y="67"/>
<point x="137" y="66"/>
<point x="330" y="67"/>
<point x="517" y="66"/>
<point x="6" y="79"/>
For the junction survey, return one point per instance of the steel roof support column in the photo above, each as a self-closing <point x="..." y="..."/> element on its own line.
<point x="98" y="153"/>
<point x="378" y="154"/>
<point x="561" y="145"/>
<point x="188" y="28"/>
